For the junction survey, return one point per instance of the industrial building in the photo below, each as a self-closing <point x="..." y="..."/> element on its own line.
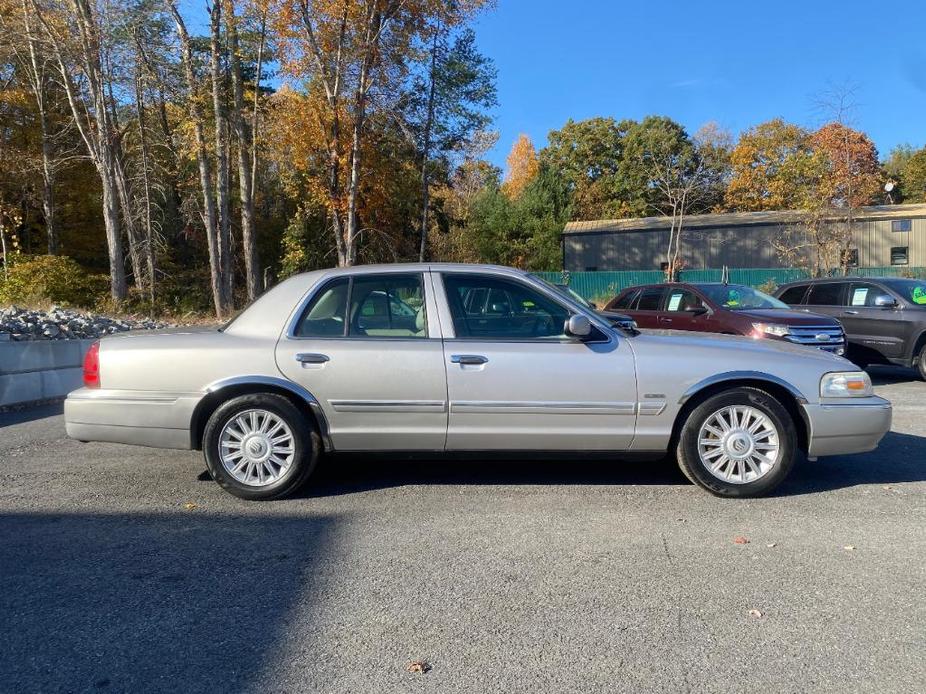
<point x="883" y="236"/>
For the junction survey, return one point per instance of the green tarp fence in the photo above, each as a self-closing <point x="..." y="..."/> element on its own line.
<point x="598" y="285"/>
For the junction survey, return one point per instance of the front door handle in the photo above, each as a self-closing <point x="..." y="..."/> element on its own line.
<point x="308" y="358"/>
<point x="468" y="359"/>
<point x="851" y="313"/>
<point x="665" y="320"/>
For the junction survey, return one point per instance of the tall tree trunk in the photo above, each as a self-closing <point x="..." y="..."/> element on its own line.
<point x="38" y="84"/>
<point x="245" y="145"/>
<point x="146" y="186"/>
<point x="205" y="172"/>
<point x="91" y="117"/>
<point x="222" y="179"/>
<point x="426" y="150"/>
<point x="374" y="25"/>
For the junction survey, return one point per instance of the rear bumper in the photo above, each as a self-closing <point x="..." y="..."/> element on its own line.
<point x="142" y="418"/>
<point x="847" y="427"/>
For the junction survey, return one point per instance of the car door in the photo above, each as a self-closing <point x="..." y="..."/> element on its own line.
<point x="881" y="328"/>
<point x="369" y="350"/>
<point x="646" y="309"/>
<point x="683" y="310"/>
<point x="826" y="298"/>
<point x="521" y="383"/>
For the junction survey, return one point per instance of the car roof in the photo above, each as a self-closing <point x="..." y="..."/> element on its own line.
<point x="839" y="280"/>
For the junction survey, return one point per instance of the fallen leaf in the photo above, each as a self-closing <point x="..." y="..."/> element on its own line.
<point x="772" y="544"/>
<point x="849" y="547"/>
<point x="189" y="506"/>
<point x="740" y="540"/>
<point x="755" y="613"/>
<point x="419" y="666"/>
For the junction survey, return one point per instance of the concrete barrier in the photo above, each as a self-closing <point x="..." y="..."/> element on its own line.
<point x="40" y="370"/>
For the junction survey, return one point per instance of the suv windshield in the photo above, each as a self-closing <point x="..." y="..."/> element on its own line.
<point x="911" y="290"/>
<point x="738" y="297"/>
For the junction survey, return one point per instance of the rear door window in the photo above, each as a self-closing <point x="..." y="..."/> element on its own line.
<point x="626" y="300"/>
<point x="794" y="295"/>
<point x="651" y="299"/>
<point x="825" y="294"/>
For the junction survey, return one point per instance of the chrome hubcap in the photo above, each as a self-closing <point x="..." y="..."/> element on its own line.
<point x="256" y="447"/>
<point x="739" y="444"/>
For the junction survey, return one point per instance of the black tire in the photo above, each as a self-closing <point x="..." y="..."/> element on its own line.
<point x="688" y="449"/>
<point x="306" y="446"/>
<point x="921" y="364"/>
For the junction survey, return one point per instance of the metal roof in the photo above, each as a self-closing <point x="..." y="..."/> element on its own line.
<point x="734" y="219"/>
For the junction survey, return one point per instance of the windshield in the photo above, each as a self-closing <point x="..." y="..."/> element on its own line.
<point x="738" y="297"/>
<point x="911" y="290"/>
<point x="574" y="295"/>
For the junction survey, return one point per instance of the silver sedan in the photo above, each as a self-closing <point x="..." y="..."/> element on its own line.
<point x="438" y="357"/>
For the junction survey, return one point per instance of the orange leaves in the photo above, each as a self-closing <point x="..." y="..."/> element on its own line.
<point x="853" y="174"/>
<point x="523" y="167"/>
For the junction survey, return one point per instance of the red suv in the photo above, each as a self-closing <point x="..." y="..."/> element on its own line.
<point x="732" y="309"/>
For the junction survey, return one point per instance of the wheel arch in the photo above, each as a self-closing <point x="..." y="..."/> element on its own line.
<point x="785" y="393"/>
<point x="226" y="389"/>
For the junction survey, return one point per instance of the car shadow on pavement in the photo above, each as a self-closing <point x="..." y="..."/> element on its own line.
<point x="899" y="458"/>
<point x="30" y="414"/>
<point x="889" y="375"/>
<point x="152" y="602"/>
<point x="348" y="474"/>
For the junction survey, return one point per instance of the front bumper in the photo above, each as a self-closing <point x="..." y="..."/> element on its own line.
<point x="843" y="427"/>
<point x="142" y="418"/>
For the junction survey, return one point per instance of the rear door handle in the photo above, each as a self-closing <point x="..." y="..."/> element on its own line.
<point x="308" y="358"/>
<point x="665" y="320"/>
<point x="468" y="359"/>
<point x="851" y="313"/>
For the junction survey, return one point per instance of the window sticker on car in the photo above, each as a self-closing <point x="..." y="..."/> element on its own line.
<point x="859" y="295"/>
<point x="674" y="301"/>
<point x="919" y="295"/>
<point x="733" y="298"/>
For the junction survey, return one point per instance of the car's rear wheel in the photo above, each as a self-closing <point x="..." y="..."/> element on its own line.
<point x="741" y="442"/>
<point x="260" y="446"/>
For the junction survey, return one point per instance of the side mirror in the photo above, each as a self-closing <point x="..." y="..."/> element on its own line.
<point x="578" y="325"/>
<point x="699" y="311"/>
<point x="885" y="301"/>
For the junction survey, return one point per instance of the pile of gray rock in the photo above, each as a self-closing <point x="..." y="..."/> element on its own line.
<point x="65" y="324"/>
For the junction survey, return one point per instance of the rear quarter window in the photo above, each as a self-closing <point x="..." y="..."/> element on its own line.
<point x="794" y="295"/>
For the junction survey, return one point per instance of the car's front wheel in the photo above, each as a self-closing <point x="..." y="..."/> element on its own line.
<point x="260" y="446"/>
<point x="741" y="442"/>
<point x="921" y="363"/>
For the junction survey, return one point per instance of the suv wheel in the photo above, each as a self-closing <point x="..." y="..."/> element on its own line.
<point x="741" y="443"/>
<point x="921" y="363"/>
<point x="260" y="446"/>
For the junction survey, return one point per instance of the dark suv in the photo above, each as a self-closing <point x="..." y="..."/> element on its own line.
<point x="734" y="309"/>
<point x="884" y="318"/>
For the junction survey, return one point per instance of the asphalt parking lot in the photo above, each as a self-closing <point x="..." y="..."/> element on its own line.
<point x="127" y="569"/>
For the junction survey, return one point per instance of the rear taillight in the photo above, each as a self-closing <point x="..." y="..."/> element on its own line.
<point x="92" y="366"/>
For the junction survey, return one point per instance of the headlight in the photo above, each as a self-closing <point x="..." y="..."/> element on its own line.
<point x="846" y="384"/>
<point x="761" y="329"/>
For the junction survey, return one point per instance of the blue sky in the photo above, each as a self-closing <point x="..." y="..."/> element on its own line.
<point x="737" y="63"/>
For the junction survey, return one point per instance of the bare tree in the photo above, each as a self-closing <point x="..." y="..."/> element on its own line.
<point x="221" y="298"/>
<point x="246" y="151"/>
<point x="683" y="182"/>
<point x="222" y="144"/>
<point x="74" y="37"/>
